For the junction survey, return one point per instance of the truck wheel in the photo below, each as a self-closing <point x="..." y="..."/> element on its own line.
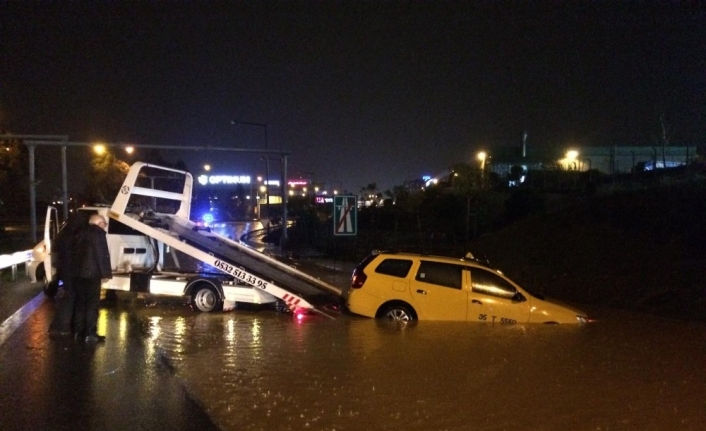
<point x="282" y="307"/>
<point x="205" y="298"/>
<point x="50" y="287"/>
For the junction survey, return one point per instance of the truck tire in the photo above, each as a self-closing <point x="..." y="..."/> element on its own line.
<point x="50" y="288"/>
<point x="205" y="298"/>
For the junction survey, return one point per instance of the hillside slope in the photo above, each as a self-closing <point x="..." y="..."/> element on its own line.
<point x="643" y="250"/>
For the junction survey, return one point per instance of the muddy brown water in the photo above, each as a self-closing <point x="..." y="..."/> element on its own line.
<point x="259" y="370"/>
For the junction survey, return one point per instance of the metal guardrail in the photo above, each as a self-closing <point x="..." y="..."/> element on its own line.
<point x="15" y="259"/>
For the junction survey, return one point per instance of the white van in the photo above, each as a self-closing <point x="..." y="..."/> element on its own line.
<point x="128" y="248"/>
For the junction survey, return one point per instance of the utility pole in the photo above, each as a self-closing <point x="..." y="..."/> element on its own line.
<point x="267" y="167"/>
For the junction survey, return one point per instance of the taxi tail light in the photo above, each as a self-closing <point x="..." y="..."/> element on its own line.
<point x="358" y="279"/>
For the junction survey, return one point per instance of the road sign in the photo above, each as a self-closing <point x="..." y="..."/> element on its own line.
<point x="345" y="215"/>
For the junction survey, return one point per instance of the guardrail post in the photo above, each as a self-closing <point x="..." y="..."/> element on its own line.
<point x="14" y="272"/>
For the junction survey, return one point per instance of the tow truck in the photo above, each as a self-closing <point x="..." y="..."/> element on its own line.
<point x="155" y="248"/>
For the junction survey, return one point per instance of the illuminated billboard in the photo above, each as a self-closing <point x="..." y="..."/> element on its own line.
<point x="215" y="180"/>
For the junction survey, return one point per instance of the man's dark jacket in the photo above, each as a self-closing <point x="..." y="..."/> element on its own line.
<point x="95" y="261"/>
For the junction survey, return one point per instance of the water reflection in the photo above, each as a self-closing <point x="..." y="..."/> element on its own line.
<point x="235" y="230"/>
<point x="264" y="371"/>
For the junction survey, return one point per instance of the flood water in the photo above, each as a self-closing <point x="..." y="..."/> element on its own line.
<point x="259" y="370"/>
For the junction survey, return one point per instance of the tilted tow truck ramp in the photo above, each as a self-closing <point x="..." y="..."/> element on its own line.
<point x="297" y="289"/>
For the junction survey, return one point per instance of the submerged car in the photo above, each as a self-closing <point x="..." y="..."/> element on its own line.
<point x="406" y="286"/>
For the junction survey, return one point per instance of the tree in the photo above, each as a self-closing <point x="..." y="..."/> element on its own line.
<point x="107" y="174"/>
<point x="370" y="190"/>
<point x="467" y="181"/>
<point x="14" y="187"/>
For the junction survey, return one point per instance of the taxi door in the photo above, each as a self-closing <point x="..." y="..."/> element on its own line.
<point x="495" y="299"/>
<point x="439" y="291"/>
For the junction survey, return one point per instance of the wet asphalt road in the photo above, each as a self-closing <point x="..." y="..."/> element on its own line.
<point x="56" y="383"/>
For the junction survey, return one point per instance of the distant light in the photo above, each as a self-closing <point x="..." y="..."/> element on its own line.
<point x="572" y="154"/>
<point x="482" y="156"/>
<point x="206" y="167"/>
<point x="129" y="149"/>
<point x="99" y="149"/>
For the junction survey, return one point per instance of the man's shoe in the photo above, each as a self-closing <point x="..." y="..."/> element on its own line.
<point x="95" y="338"/>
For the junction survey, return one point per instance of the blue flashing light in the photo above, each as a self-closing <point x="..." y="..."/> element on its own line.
<point x="207" y="218"/>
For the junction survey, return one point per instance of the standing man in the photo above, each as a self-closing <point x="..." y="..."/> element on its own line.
<point x="93" y="269"/>
<point x="66" y="259"/>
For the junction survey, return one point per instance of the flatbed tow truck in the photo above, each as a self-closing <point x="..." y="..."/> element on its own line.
<point x="228" y="272"/>
<point x="269" y="277"/>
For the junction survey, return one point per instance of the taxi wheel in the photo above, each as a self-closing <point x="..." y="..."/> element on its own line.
<point x="206" y="299"/>
<point x="398" y="312"/>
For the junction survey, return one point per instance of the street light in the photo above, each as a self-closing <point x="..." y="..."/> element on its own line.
<point x="99" y="149"/>
<point x="571" y="157"/>
<point x="482" y="156"/>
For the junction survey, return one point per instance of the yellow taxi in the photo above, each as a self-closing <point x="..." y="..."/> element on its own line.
<point x="406" y="286"/>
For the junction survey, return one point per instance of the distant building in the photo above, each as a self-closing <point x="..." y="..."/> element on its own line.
<point x="606" y="160"/>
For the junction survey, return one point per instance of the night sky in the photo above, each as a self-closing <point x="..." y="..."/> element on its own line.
<point x="359" y="92"/>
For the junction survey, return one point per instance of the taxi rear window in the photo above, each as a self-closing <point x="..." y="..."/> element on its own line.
<point x="394" y="267"/>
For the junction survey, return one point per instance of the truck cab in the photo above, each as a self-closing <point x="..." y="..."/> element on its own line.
<point x="129" y="249"/>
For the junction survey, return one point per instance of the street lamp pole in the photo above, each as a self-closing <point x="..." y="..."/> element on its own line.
<point x="267" y="165"/>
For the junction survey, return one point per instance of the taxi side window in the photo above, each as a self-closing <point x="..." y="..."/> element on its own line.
<point x="487" y="283"/>
<point x="442" y="274"/>
<point x="394" y="267"/>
